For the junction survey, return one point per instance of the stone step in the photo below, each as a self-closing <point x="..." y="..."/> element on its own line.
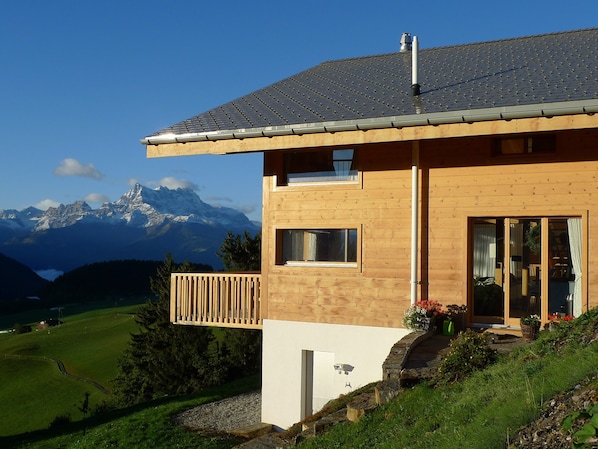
<point x="253" y="431"/>
<point x="360" y="406"/>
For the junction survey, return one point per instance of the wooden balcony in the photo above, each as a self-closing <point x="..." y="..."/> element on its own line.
<point x="216" y="299"/>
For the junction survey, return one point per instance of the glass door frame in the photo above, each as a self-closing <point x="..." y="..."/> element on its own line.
<point x="512" y="319"/>
<point x="503" y="269"/>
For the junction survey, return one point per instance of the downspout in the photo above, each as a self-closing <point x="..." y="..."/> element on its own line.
<point x="414" y="218"/>
<point x="415" y="92"/>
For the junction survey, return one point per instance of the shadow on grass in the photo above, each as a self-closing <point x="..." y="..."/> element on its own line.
<point x="234" y="388"/>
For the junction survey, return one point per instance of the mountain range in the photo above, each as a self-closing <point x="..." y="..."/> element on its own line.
<point x="142" y="224"/>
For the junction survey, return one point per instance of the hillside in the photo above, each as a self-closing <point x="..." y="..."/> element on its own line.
<point x="111" y="280"/>
<point x="516" y="403"/>
<point x="105" y="280"/>
<point x="17" y="280"/>
<point x="512" y="404"/>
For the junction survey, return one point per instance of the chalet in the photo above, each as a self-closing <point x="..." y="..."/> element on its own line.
<point x="466" y="174"/>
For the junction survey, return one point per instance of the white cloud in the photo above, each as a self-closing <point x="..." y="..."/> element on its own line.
<point x="244" y="209"/>
<point x="46" y="204"/>
<point x="174" y="183"/>
<point x="219" y="199"/>
<point x="247" y="209"/>
<point x="96" y="198"/>
<point x="72" y="167"/>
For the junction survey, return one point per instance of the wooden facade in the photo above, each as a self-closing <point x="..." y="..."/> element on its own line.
<point x="460" y="179"/>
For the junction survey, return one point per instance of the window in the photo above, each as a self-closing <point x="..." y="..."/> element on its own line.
<point x="524" y="145"/>
<point x="319" y="166"/>
<point x="317" y="246"/>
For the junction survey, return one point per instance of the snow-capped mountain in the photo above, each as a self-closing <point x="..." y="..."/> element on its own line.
<point x="143" y="223"/>
<point x="24" y="219"/>
<point x="140" y="207"/>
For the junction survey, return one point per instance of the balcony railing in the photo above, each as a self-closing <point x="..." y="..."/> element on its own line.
<point x="216" y="299"/>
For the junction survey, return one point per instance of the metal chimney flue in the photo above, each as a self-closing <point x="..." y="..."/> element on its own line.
<point x="405" y="42"/>
<point x="415" y="87"/>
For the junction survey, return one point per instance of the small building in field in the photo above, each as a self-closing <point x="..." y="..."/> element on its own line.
<point x="472" y="180"/>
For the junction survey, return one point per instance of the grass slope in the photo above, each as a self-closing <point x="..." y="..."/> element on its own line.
<point x="145" y="426"/>
<point x="484" y="411"/>
<point x="88" y="344"/>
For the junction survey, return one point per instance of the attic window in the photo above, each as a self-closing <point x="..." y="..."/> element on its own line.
<point x="524" y="145"/>
<point x="319" y="166"/>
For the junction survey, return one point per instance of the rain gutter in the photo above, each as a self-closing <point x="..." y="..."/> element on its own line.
<point x="400" y="121"/>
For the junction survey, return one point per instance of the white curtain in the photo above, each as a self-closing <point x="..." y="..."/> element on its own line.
<point x="575" y="236"/>
<point x="310" y="246"/>
<point x="484" y="250"/>
<point x="516" y="249"/>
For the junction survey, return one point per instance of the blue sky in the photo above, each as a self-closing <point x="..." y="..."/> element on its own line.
<point x="81" y="82"/>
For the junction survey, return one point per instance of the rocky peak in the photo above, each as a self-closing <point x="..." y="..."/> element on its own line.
<point x="139" y="207"/>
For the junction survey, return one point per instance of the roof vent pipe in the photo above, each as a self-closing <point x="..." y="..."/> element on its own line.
<point x="405" y="42"/>
<point x="415" y="88"/>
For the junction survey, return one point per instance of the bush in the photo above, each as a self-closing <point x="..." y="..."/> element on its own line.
<point x="60" y="421"/>
<point x="22" y="328"/>
<point x="468" y="352"/>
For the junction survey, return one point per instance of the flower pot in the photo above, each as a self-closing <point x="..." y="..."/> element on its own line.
<point x="530" y="332"/>
<point x="448" y="328"/>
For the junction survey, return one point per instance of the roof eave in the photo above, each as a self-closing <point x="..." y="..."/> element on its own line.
<point x="437" y="118"/>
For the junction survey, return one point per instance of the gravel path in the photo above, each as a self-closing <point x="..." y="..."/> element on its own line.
<point x="225" y="415"/>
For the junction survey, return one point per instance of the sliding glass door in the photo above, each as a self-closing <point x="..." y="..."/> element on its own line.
<point x="523" y="266"/>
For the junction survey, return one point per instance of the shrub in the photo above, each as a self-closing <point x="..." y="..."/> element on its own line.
<point x="60" y="421"/>
<point x="22" y="328"/>
<point x="468" y="352"/>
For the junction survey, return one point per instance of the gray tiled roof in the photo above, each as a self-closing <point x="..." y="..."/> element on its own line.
<point x="535" y="70"/>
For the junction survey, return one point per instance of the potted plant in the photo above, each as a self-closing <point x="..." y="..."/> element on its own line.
<point x="422" y="315"/>
<point x="455" y="315"/>
<point x="530" y="326"/>
<point x="554" y="319"/>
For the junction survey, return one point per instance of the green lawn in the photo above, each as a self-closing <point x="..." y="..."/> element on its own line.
<point x="484" y="411"/>
<point x="89" y="344"/>
<point x="34" y="392"/>
<point x="146" y="425"/>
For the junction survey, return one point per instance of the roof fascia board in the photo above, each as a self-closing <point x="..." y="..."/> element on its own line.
<point x="356" y="137"/>
<point x="466" y="116"/>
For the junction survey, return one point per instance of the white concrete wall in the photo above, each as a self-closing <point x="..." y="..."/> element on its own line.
<point x="284" y="342"/>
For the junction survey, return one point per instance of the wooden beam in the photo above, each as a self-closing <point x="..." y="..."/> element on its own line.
<point x="488" y="128"/>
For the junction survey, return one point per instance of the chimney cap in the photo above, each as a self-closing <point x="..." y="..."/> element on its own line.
<point x="405" y="42"/>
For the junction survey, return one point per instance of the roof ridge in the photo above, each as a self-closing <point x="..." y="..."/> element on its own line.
<point x="467" y="44"/>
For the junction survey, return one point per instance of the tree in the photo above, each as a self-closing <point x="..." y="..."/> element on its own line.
<point x="241" y="254"/>
<point x="241" y="348"/>
<point x="163" y="358"/>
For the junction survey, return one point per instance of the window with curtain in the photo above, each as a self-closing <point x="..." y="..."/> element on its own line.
<point x="317" y="245"/>
<point x="484" y="250"/>
<point x="319" y="166"/>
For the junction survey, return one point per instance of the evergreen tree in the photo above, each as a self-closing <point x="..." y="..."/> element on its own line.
<point x="242" y="348"/>
<point x="241" y="254"/>
<point x="163" y="358"/>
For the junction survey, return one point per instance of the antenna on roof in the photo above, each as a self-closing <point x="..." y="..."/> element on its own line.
<point x="405" y="42"/>
<point x="415" y="88"/>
